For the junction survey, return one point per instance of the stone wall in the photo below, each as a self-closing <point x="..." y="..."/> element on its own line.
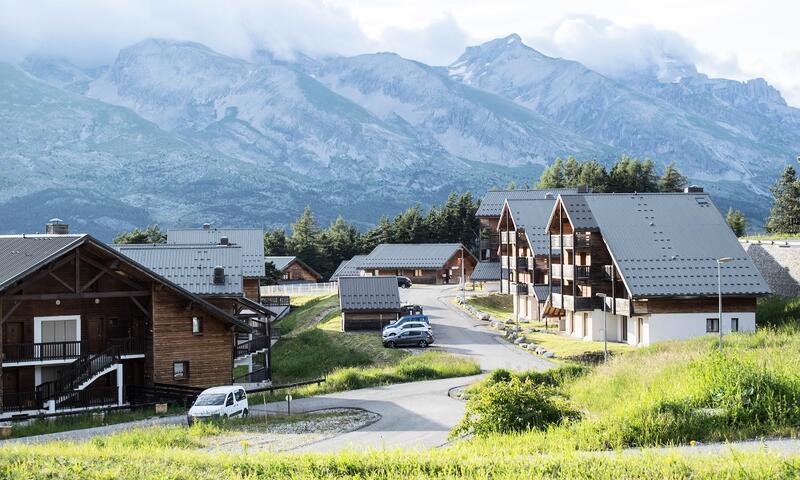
<point x="779" y="264"/>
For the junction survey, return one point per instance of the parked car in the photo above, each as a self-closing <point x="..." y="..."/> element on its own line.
<point x="404" y="282"/>
<point x="406" y="310"/>
<point x="409" y="318"/>
<point x="219" y="402"/>
<point x="396" y="330"/>
<point x="417" y="337"/>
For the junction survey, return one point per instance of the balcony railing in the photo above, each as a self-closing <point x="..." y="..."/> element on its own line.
<point x="608" y="272"/>
<point x="523" y="263"/>
<point x="129" y="346"/>
<point x="19" y="401"/>
<point x="575" y="304"/>
<point x="570" y="272"/>
<point x="40" y="352"/>
<point x="521" y="288"/>
<point x="581" y="241"/>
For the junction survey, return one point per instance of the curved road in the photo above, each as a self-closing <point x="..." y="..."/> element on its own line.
<point x="419" y="415"/>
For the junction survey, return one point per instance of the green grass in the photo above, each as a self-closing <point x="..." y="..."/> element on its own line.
<point x="676" y="393"/>
<point x="499" y="306"/>
<point x="776" y="236"/>
<point x="175" y="461"/>
<point x="86" y="420"/>
<point x="566" y="347"/>
<point x="777" y="311"/>
<point x="304" y="310"/>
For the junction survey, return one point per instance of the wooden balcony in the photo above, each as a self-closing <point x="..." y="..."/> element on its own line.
<point x="42" y="352"/>
<point x="523" y="263"/>
<point x="521" y="288"/>
<point x="570" y="272"/>
<point x="570" y="241"/>
<point x="571" y="303"/>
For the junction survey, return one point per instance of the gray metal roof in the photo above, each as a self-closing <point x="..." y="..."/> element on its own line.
<point x="486" y="272"/>
<point x="666" y="244"/>
<point x="492" y="203"/>
<point x="369" y="294"/>
<point x="533" y="216"/>
<point x="542" y="293"/>
<point x="250" y="239"/>
<point x="348" y="268"/>
<point x="191" y="266"/>
<point x="426" y="256"/>
<point x="21" y="254"/>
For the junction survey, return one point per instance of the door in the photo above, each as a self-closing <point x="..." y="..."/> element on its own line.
<point x="230" y="405"/>
<point x="625" y="329"/>
<point x="12" y="335"/>
<point x="11" y="380"/>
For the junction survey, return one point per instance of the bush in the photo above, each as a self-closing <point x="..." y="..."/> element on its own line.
<point x="513" y="406"/>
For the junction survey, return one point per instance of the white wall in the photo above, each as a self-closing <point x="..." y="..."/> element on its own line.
<point x="680" y="326"/>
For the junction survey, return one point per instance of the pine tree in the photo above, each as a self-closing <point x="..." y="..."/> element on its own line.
<point x="305" y="233"/>
<point x="737" y="221"/>
<point x="276" y="243"/>
<point x="552" y="176"/>
<point x="150" y="234"/>
<point x="633" y="175"/>
<point x="672" y="180"/>
<point x="785" y="214"/>
<point x="572" y="172"/>
<point x="344" y="238"/>
<point x="593" y="175"/>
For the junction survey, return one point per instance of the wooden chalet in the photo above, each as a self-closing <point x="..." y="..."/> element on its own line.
<point x="82" y="324"/>
<point x="368" y="303"/>
<point x="427" y="263"/>
<point x="649" y="261"/>
<point x="293" y="270"/>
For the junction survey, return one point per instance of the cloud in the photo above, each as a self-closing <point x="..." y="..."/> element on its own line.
<point x="436" y="44"/>
<point x="617" y="50"/>
<point x="91" y="32"/>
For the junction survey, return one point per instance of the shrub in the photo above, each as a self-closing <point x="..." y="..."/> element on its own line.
<point x="776" y="311"/>
<point x="513" y="406"/>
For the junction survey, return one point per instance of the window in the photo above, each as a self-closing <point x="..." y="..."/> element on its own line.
<point x="229" y="401"/>
<point x="418" y="272"/>
<point x="180" y="370"/>
<point x="712" y="325"/>
<point x="240" y="395"/>
<point x="286" y="275"/>
<point x="197" y="325"/>
<point x="734" y="324"/>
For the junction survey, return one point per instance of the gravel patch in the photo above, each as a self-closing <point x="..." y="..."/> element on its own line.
<point x="288" y="433"/>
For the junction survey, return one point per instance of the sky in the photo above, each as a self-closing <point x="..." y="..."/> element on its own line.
<point x="737" y="39"/>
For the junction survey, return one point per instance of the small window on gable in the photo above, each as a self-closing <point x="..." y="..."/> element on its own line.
<point x="180" y="370"/>
<point x="197" y="325"/>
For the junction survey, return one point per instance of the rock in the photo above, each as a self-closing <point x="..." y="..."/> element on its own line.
<point x="484" y="316"/>
<point x="519" y="340"/>
<point x="523" y="345"/>
<point x="548" y="355"/>
<point x="540" y="350"/>
<point x="510" y="321"/>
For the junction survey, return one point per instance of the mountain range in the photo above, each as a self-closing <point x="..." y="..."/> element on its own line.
<point x="175" y="133"/>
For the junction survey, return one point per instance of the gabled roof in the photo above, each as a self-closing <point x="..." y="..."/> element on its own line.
<point x="369" y="294"/>
<point x="533" y="216"/>
<point x="486" y="272"/>
<point x="348" y="268"/>
<point x="427" y="256"/>
<point x="283" y="262"/>
<point x="666" y="244"/>
<point x="191" y="266"/>
<point x="492" y="203"/>
<point x="21" y="255"/>
<point x="250" y="239"/>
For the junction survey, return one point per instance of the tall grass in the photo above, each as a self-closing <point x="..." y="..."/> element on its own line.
<point x="776" y="311"/>
<point x="304" y="312"/>
<point x="678" y="392"/>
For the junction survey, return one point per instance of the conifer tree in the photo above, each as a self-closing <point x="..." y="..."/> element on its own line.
<point x="672" y="180"/>
<point x="150" y="234"/>
<point x="785" y="214"/>
<point x="552" y="176"/>
<point x="737" y="221"/>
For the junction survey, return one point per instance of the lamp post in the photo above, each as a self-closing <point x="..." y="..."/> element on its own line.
<point x="463" y="280"/>
<point x="720" y="261"/>
<point x="605" y="331"/>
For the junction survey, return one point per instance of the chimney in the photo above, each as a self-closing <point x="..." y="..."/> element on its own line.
<point x="56" y="227"/>
<point x="206" y="226"/>
<point x="693" y="189"/>
<point x="548" y="196"/>
<point x="219" y="275"/>
<point x="224" y="241"/>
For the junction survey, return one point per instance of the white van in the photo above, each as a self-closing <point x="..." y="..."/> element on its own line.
<point x="220" y="402"/>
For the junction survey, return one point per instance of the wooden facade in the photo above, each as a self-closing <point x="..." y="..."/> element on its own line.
<point x="298" y="272"/>
<point x="252" y="288"/>
<point x="90" y="300"/>
<point x="448" y="274"/>
<point x="372" y="320"/>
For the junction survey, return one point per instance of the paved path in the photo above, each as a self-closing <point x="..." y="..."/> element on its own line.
<point x="459" y="333"/>
<point x="414" y="416"/>
<point x="778" y="446"/>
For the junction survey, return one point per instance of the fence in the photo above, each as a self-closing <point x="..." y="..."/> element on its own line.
<point x="300" y="289"/>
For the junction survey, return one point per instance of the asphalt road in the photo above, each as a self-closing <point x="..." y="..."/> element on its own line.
<point x="419" y="415"/>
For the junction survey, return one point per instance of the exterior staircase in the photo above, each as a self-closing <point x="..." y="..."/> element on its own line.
<point x="78" y="375"/>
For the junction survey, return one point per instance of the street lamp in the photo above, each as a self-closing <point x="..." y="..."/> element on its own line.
<point x="605" y="332"/>
<point x="720" y="261"/>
